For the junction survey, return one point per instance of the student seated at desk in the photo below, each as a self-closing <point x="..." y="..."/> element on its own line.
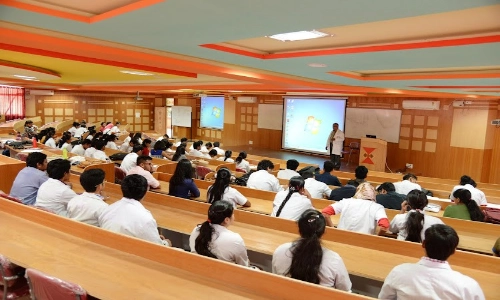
<point x="241" y="162"/>
<point x="79" y="131"/>
<point x="90" y="150"/>
<point x="411" y="223"/>
<point x="326" y="177"/>
<point x="80" y="149"/>
<point x="213" y="238"/>
<point x="465" y="208"/>
<point x="360" y="213"/>
<point x="130" y="160"/>
<point x="29" y="179"/>
<point x="182" y="184"/>
<point x="208" y="146"/>
<point x="213" y="154"/>
<point x="292" y="203"/>
<point x="146" y="144"/>
<point x="469" y="184"/>
<point x="49" y="139"/>
<point x="160" y="150"/>
<point x="180" y="154"/>
<point x="183" y="140"/>
<point x="221" y="190"/>
<point x="65" y="142"/>
<point x="55" y="193"/>
<point x="291" y="170"/>
<point x="361" y="172"/>
<point x="345" y="192"/>
<point x="316" y="189"/>
<point x="144" y="167"/>
<point x="217" y="147"/>
<point x="227" y="157"/>
<point x="128" y="146"/>
<point x="100" y="145"/>
<point x="128" y="216"/>
<point x="73" y="129"/>
<point x="306" y="260"/>
<point x="388" y="197"/>
<point x="262" y="179"/>
<point x="408" y="184"/>
<point x="30" y="130"/>
<point x="111" y="139"/>
<point x="88" y="206"/>
<point x="196" y="149"/>
<point x="432" y="277"/>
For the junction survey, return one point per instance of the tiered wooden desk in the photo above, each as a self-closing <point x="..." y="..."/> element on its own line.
<point x="9" y="168"/>
<point x="114" y="266"/>
<point x="364" y="255"/>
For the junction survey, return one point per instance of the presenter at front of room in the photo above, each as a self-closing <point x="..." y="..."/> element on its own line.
<point x="335" y="144"/>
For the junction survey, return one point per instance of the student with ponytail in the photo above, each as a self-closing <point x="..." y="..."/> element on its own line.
<point x="306" y="260"/>
<point x="213" y="238"/>
<point x="411" y="223"/>
<point x="221" y="190"/>
<point x="465" y="208"/>
<point x="292" y="203"/>
<point x="227" y="157"/>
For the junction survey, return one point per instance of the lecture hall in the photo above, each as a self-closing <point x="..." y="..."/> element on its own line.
<point x="286" y="149"/>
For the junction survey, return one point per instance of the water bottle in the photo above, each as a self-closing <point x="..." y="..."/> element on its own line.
<point x="65" y="153"/>
<point x="34" y="142"/>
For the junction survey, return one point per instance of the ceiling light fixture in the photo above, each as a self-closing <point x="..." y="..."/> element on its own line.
<point x="136" y="73"/>
<point x="299" y="35"/>
<point x="25" y="77"/>
<point x="316" y="65"/>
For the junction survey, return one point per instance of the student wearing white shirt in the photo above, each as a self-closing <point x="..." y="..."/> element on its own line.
<point x="88" y="206"/>
<point x="317" y="189"/>
<point x="91" y="150"/>
<point x="183" y="140"/>
<point x="208" y="146"/>
<point x="79" y="132"/>
<point x="411" y="223"/>
<point x="432" y="277"/>
<point x="291" y="170"/>
<point x="111" y="142"/>
<point x="130" y="160"/>
<point x="360" y="213"/>
<point x="219" y="150"/>
<point x="213" y="238"/>
<point x="221" y="190"/>
<point x="241" y="162"/>
<point x="213" y="154"/>
<point x="80" y="149"/>
<point x="99" y="150"/>
<point x="196" y="150"/>
<point x="65" y="142"/>
<point x="115" y="128"/>
<point x="54" y="194"/>
<point x="262" y="179"/>
<point x="128" y="138"/>
<point x="292" y="203"/>
<point x="408" y="184"/>
<point x="128" y="216"/>
<point x="73" y="129"/>
<point x="49" y="140"/>
<point x="227" y="156"/>
<point x="306" y="260"/>
<point x="144" y="167"/>
<point x="469" y="184"/>
<point x="128" y="146"/>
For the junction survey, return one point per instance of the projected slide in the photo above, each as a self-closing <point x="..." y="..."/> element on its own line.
<point x="308" y="122"/>
<point x="212" y="112"/>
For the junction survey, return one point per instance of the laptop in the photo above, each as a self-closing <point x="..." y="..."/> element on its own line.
<point x="371" y="136"/>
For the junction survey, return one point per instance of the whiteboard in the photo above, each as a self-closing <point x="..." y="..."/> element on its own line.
<point x="384" y="123"/>
<point x="181" y="116"/>
<point x="270" y="116"/>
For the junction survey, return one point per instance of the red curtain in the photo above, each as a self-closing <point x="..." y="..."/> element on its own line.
<point x="12" y="104"/>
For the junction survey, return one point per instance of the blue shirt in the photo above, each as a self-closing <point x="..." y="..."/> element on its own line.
<point x="185" y="190"/>
<point x="328" y="179"/>
<point x="26" y="184"/>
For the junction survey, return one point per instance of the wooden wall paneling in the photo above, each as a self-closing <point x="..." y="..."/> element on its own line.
<point x="494" y="176"/>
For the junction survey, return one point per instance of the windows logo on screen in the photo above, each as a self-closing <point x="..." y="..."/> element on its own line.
<point x="216" y="112"/>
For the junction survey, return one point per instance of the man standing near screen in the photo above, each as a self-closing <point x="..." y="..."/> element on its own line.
<point x="335" y="143"/>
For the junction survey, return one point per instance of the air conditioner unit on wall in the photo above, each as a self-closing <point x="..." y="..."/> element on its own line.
<point x="42" y="92"/>
<point x="423" y="105"/>
<point x="247" y="99"/>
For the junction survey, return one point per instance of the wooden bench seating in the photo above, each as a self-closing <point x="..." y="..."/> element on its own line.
<point x="364" y="255"/>
<point x="9" y="168"/>
<point x="475" y="236"/>
<point x="114" y="266"/>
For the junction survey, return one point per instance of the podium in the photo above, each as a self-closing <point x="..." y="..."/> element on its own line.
<point x="373" y="154"/>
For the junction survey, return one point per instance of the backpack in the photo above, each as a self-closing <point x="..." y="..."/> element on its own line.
<point x="492" y="215"/>
<point x="243" y="179"/>
<point x="308" y="169"/>
<point x="118" y="156"/>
